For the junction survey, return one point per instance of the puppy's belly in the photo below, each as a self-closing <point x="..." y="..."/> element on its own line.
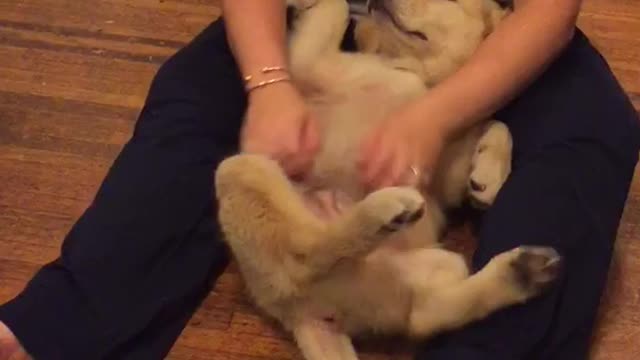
<point x="345" y="118"/>
<point x="330" y="204"/>
<point x="326" y="204"/>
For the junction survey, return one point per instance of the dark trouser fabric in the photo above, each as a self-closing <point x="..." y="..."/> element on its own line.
<point x="136" y="265"/>
<point x="576" y="142"/>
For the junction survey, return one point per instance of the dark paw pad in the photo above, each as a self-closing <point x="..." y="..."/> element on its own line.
<point x="536" y="267"/>
<point x="476" y="186"/>
<point x="403" y="219"/>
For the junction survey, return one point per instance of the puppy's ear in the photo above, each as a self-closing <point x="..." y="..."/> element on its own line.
<point x="366" y="36"/>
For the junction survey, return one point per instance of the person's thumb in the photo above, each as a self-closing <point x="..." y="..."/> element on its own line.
<point x="310" y="138"/>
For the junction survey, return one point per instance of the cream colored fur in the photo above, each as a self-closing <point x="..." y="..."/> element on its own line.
<point x="374" y="265"/>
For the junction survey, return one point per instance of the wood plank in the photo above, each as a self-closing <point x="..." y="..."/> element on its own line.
<point x="613" y="27"/>
<point x="67" y="126"/>
<point x="214" y="341"/>
<point x="141" y="19"/>
<point x="85" y="42"/>
<point x="79" y="77"/>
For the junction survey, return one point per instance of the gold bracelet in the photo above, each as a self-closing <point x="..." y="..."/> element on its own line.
<point x="266" y="70"/>
<point x="267" y="82"/>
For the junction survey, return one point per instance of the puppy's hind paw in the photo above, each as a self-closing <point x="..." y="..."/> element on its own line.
<point x="521" y="274"/>
<point x="535" y="268"/>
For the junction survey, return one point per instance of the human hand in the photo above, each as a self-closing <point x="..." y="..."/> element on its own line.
<point x="278" y="124"/>
<point x="402" y="150"/>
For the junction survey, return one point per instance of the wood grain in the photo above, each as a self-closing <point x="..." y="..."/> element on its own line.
<point x="73" y="75"/>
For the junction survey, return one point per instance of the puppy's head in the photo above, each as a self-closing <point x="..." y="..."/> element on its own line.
<point x="432" y="31"/>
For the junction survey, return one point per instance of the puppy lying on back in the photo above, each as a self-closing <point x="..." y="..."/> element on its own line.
<point x="376" y="266"/>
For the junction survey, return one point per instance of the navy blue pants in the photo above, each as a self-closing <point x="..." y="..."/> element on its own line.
<point x="136" y="265"/>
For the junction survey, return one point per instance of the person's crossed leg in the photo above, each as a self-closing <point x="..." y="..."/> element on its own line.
<point x="135" y="266"/>
<point x="576" y="143"/>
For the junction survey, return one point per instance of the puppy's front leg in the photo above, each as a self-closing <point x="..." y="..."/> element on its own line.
<point x="317" y="32"/>
<point x="380" y="214"/>
<point x="490" y="164"/>
<point x="360" y="229"/>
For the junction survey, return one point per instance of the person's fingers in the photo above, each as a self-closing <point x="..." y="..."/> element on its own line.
<point x="299" y="149"/>
<point x="292" y="162"/>
<point x="245" y="140"/>
<point x="379" y="166"/>
<point x="278" y="132"/>
<point x="397" y="170"/>
<point x="251" y="141"/>
<point x="371" y="157"/>
<point x="251" y="146"/>
<point x="310" y="136"/>
<point x="418" y="170"/>
<point x="366" y="146"/>
<point x="309" y="145"/>
<point x="291" y="166"/>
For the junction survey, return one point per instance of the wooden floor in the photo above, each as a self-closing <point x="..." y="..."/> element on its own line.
<point x="73" y="75"/>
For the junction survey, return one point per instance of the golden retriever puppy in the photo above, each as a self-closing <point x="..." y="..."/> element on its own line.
<point x="371" y="262"/>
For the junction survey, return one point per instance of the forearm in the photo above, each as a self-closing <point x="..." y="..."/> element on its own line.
<point x="256" y="30"/>
<point x="509" y="59"/>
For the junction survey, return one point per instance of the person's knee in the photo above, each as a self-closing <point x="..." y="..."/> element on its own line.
<point x="554" y="198"/>
<point x="195" y="92"/>
<point x="195" y="66"/>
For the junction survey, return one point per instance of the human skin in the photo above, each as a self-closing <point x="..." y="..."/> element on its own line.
<point x="279" y="125"/>
<point x="525" y="42"/>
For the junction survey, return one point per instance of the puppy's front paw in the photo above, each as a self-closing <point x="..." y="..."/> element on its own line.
<point x="490" y="166"/>
<point x="485" y="181"/>
<point x="392" y="209"/>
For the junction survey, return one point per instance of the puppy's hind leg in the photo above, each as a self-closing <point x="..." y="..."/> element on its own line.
<point x="317" y="32"/>
<point x="260" y="207"/>
<point x="255" y="197"/>
<point x="318" y="340"/>
<point x="510" y="278"/>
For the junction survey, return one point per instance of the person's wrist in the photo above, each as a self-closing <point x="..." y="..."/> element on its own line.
<point x="271" y="91"/>
<point x="420" y="120"/>
<point x="441" y="129"/>
<point x="265" y="76"/>
<point x="429" y="119"/>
